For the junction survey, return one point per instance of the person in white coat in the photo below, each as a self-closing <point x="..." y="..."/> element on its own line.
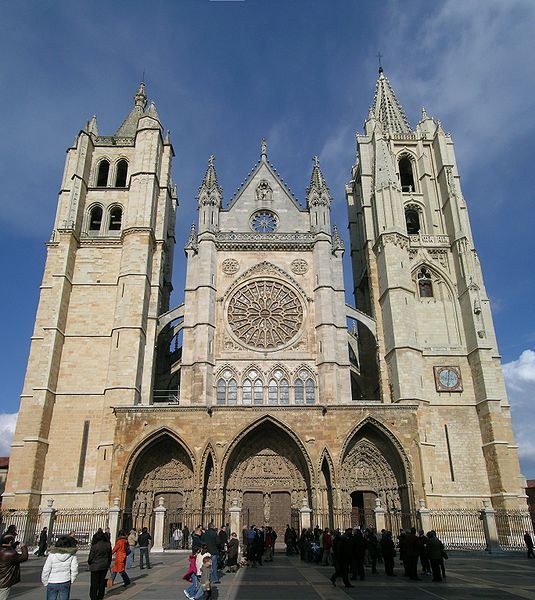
<point x="60" y="569"/>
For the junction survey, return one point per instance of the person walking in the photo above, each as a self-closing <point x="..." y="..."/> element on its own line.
<point x="132" y="543"/>
<point x="99" y="561"/>
<point x="205" y="589"/>
<point x="10" y="561"/>
<point x="210" y="539"/>
<point x="358" y="552"/>
<point x="60" y="569"/>
<point x="143" y="541"/>
<point x="435" y="548"/>
<point x="43" y="542"/>
<point x="342" y="557"/>
<point x="327" y="546"/>
<point x="412" y="553"/>
<point x="529" y="544"/>
<point x="192" y="591"/>
<point x="121" y="550"/>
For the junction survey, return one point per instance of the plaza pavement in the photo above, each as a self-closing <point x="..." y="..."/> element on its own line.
<point x="470" y="576"/>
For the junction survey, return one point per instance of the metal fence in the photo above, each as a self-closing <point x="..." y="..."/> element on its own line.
<point x="512" y="525"/>
<point x="81" y="523"/>
<point x="459" y="529"/>
<point x="26" y="522"/>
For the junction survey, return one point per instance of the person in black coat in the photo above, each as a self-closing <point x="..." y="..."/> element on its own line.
<point x="358" y="552"/>
<point x="342" y="557"/>
<point x="99" y="561"/>
<point x="388" y="549"/>
<point x="43" y="542"/>
<point x="529" y="544"/>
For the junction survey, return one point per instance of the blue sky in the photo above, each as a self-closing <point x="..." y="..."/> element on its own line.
<point x="302" y="73"/>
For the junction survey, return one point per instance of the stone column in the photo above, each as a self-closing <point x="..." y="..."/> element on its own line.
<point x="47" y="518"/>
<point x="304" y="515"/>
<point x="380" y="521"/>
<point x="488" y="515"/>
<point x="159" y="525"/>
<point x="425" y="517"/>
<point x="235" y="518"/>
<point x="113" y="520"/>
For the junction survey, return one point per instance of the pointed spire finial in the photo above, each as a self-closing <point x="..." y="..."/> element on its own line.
<point x="92" y="125"/>
<point x="316" y="161"/>
<point x="211" y="160"/>
<point x="387" y="109"/>
<point x="379" y="56"/>
<point x="140" y="99"/>
<point x="263" y="149"/>
<point x="424" y="114"/>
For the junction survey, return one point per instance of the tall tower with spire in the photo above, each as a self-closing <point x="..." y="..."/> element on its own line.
<point x="107" y="277"/>
<point x="417" y="273"/>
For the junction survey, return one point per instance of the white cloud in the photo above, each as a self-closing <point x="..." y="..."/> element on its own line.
<point x="520" y="381"/>
<point x="7" y="429"/>
<point x="470" y="61"/>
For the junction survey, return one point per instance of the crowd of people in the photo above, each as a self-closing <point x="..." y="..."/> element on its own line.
<point x="213" y="550"/>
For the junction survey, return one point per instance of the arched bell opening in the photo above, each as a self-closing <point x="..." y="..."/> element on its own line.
<point x="269" y="474"/>
<point x="161" y="469"/>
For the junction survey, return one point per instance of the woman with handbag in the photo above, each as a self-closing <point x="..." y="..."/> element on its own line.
<point x="99" y="561"/>
<point x="121" y="551"/>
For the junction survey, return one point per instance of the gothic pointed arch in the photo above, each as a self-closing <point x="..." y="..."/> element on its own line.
<point x="161" y="465"/>
<point x="436" y="300"/>
<point x="268" y="470"/>
<point x="373" y="464"/>
<point x="323" y="509"/>
<point x="209" y="485"/>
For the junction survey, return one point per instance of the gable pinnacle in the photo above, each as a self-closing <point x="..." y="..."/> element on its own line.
<point x="140" y="99"/>
<point x="209" y="190"/>
<point x="263" y="149"/>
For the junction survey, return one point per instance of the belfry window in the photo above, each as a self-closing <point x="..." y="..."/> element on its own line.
<point x="116" y="217"/>
<point x="406" y="175"/>
<point x="102" y="175"/>
<point x="121" y="172"/>
<point x="425" y="284"/>
<point x="95" y="218"/>
<point x="412" y="219"/>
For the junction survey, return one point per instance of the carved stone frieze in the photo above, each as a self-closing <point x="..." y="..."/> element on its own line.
<point x="250" y="240"/>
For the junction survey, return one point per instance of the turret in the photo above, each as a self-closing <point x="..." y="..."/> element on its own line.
<point x="319" y="200"/>
<point x="209" y="198"/>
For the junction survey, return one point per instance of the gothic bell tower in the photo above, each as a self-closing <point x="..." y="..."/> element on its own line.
<point x="107" y="278"/>
<point x="416" y="271"/>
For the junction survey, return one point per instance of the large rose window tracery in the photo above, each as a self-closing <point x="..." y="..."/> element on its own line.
<point x="265" y="314"/>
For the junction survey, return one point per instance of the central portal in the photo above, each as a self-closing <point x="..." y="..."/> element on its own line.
<point x="268" y="473"/>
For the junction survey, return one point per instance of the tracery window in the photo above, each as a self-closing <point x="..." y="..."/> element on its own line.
<point x="278" y="388"/>
<point x="425" y="283"/>
<point x="102" y="174"/>
<point x="304" y="388"/>
<point x="121" y="172"/>
<point x="247" y="392"/>
<point x="227" y="389"/>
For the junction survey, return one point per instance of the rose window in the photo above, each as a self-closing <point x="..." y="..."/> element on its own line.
<point x="264" y="221"/>
<point x="265" y="314"/>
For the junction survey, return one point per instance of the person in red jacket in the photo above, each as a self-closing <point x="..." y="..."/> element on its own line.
<point x="121" y="550"/>
<point x="10" y="561"/>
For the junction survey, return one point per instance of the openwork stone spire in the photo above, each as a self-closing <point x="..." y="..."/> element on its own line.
<point x="210" y="191"/>
<point x="386" y="108"/>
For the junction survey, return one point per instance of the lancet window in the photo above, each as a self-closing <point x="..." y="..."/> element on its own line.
<point x="95" y="218"/>
<point x="304" y="388"/>
<point x="116" y="217"/>
<point x="412" y="219"/>
<point x="278" y="388"/>
<point x="406" y="174"/>
<point x="121" y="171"/>
<point x="102" y="173"/>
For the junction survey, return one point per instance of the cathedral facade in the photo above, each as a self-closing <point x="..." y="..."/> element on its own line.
<point x="264" y="390"/>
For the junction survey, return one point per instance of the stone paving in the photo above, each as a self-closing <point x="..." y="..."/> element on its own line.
<point x="470" y="576"/>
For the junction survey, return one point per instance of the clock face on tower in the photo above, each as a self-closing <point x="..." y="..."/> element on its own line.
<point x="448" y="379"/>
<point x="264" y="221"/>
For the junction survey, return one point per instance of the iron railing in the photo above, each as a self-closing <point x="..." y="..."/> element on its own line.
<point x="83" y="522"/>
<point x="459" y="529"/>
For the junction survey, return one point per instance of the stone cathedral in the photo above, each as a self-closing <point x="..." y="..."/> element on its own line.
<point x="264" y="390"/>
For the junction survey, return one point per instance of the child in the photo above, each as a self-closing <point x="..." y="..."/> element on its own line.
<point x="195" y="571"/>
<point x="205" y="589"/>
